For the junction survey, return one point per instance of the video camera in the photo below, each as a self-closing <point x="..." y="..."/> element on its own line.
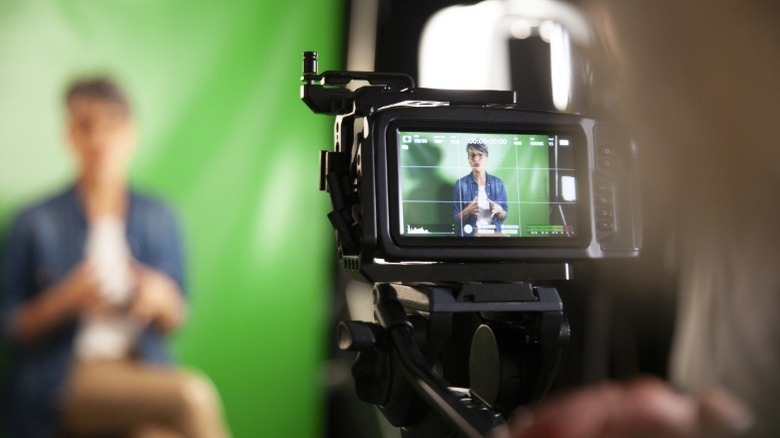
<point x="406" y="209"/>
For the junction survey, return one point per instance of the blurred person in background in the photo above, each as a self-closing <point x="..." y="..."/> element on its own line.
<point x="697" y="83"/>
<point x="92" y="283"/>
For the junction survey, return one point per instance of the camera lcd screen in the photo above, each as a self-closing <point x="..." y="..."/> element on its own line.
<point x="515" y="185"/>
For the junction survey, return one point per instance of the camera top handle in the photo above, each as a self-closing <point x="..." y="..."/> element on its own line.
<point x="329" y="92"/>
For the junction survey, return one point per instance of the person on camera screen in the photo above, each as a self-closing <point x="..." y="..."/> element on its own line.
<point x="479" y="199"/>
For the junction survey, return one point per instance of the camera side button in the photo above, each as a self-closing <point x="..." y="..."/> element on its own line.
<point x="606" y="225"/>
<point x="603" y="194"/>
<point x="606" y="163"/>
<point x="603" y="187"/>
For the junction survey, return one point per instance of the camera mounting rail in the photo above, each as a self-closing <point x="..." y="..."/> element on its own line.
<point x="329" y="92"/>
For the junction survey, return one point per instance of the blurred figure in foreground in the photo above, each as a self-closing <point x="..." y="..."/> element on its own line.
<point x="92" y="283"/>
<point x="698" y="86"/>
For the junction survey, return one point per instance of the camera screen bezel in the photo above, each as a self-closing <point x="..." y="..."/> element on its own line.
<point x="397" y="246"/>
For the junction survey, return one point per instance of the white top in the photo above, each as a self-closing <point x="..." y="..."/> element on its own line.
<point x="108" y="336"/>
<point x="484" y="219"/>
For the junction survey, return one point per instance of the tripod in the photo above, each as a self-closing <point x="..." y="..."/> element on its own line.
<point x="410" y="357"/>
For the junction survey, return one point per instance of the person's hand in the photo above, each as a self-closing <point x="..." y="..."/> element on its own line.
<point x="497" y="210"/>
<point x="80" y="291"/>
<point x="644" y="408"/>
<point x="470" y="210"/>
<point x="157" y="299"/>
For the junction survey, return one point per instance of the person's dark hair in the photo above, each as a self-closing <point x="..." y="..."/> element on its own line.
<point x="478" y="146"/>
<point x="102" y="88"/>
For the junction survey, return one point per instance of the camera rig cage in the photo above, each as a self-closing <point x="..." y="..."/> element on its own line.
<point x="570" y="189"/>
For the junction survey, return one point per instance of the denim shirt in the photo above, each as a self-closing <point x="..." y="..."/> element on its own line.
<point x="464" y="192"/>
<point x="46" y="241"/>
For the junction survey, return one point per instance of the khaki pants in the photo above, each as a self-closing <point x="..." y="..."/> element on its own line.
<point x="127" y="398"/>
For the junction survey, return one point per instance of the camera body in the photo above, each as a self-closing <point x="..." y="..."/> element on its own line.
<point x="455" y="204"/>
<point x="399" y="173"/>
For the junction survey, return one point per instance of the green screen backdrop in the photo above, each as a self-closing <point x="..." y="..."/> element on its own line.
<point x="226" y="141"/>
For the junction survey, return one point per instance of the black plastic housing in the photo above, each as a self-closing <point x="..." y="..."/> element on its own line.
<point x="606" y="184"/>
